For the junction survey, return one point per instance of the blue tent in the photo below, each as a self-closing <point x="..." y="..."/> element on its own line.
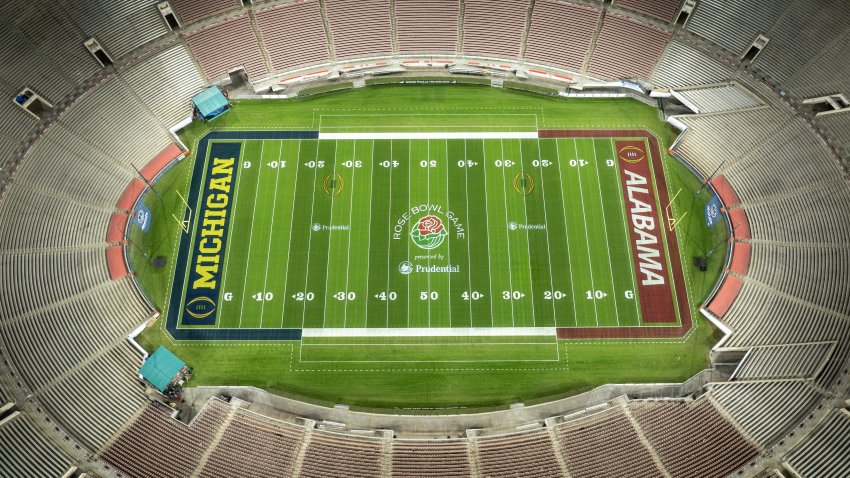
<point x="210" y="103"/>
<point x="161" y="368"/>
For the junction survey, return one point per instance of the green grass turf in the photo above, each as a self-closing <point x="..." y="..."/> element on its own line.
<point x="276" y="366"/>
<point x="281" y="273"/>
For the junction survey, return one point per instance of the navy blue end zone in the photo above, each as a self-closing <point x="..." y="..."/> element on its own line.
<point x="201" y="289"/>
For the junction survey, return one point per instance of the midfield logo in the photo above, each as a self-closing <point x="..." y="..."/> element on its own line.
<point x="429" y="232"/>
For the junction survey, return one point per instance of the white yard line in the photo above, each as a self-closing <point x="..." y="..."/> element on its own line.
<point x="567" y="232"/>
<point x="527" y="242"/>
<point x="428" y="142"/>
<point x="448" y="208"/>
<point x="230" y="232"/>
<point x="310" y="238"/>
<point x="368" y="241"/>
<point x="389" y="236"/>
<point x="409" y="169"/>
<point x="251" y="234"/>
<point x="330" y="236"/>
<point x="468" y="252"/>
<point x="548" y="247"/>
<point x="487" y="215"/>
<point x="586" y="238"/>
<point x="291" y="220"/>
<point x="271" y="232"/>
<point x="507" y="235"/>
<point x="605" y="229"/>
<point x="348" y="258"/>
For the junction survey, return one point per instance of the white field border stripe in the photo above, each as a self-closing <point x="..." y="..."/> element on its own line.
<point x="507" y="234"/>
<point x="271" y="234"/>
<point x="586" y="238"/>
<point x="566" y="232"/>
<point x="291" y="221"/>
<point x="605" y="229"/>
<point x="232" y="222"/>
<point x="433" y="135"/>
<point x="251" y="234"/>
<point x="432" y="332"/>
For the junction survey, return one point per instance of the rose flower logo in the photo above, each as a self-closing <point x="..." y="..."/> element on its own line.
<point x="429" y="232"/>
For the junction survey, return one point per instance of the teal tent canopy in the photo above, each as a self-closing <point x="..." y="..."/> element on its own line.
<point x="161" y="368"/>
<point x="210" y="103"/>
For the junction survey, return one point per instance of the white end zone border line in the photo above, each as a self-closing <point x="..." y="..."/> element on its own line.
<point x="433" y="135"/>
<point x="432" y="332"/>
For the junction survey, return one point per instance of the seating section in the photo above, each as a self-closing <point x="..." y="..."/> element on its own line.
<point x="225" y="46"/>
<point x="294" y="34"/>
<point x="685" y="65"/>
<point x="333" y="454"/>
<point x="360" y="27"/>
<point x="605" y="444"/>
<point x="23" y="65"/>
<point x="494" y="28"/>
<point x="692" y="438"/>
<point x="789" y="51"/>
<point x="156" y="446"/>
<point x="784" y="361"/>
<point x="254" y="446"/>
<point x="166" y="83"/>
<point x="430" y="458"/>
<point x="110" y="119"/>
<point x="527" y="454"/>
<point x="765" y="411"/>
<point x="561" y="34"/>
<point x="121" y="26"/>
<point x="734" y="24"/>
<point x="190" y="11"/>
<point x="42" y="458"/>
<point x="837" y="129"/>
<point x="626" y="48"/>
<point x="664" y="10"/>
<point x="824" y="454"/>
<point x="427" y="26"/>
<point x="712" y="99"/>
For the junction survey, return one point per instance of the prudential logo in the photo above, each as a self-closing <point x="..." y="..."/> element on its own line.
<point x="429" y="232"/>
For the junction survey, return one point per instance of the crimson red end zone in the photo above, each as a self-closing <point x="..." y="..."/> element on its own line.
<point x="641" y="170"/>
<point x="645" y="228"/>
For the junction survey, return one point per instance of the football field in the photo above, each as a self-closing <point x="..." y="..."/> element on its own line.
<point x="376" y="232"/>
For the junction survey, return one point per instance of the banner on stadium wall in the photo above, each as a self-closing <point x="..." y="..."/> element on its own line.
<point x="142" y="218"/>
<point x="712" y="211"/>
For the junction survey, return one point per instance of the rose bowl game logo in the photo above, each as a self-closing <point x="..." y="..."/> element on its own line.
<point x="429" y="232"/>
